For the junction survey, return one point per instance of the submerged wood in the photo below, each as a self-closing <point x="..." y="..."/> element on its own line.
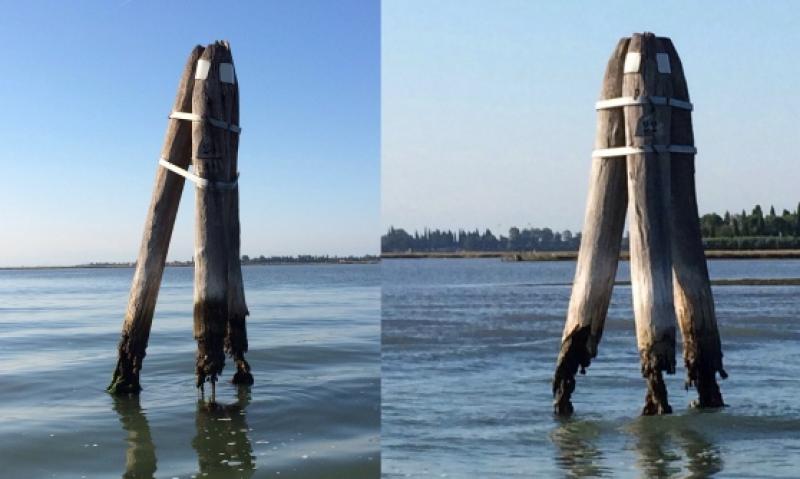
<point x="212" y="152"/>
<point x="600" y="244"/>
<point x="155" y="242"/>
<point x="649" y="218"/>
<point x="694" y="302"/>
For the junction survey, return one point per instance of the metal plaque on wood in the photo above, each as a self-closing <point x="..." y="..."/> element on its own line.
<point x="662" y="59"/>
<point x="226" y="73"/>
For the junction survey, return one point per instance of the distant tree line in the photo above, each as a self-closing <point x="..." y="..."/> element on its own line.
<point x="754" y="224"/>
<point x="307" y="259"/>
<point x="752" y="231"/>
<point x="728" y="231"/>
<point x="528" y="239"/>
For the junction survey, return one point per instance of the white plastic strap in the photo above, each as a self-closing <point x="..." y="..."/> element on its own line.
<point x="179" y="115"/>
<point x="637" y="150"/>
<point x="200" y="182"/>
<point x="643" y="100"/>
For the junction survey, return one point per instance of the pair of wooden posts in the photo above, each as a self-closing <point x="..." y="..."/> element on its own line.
<point x="202" y="132"/>
<point x="644" y="162"/>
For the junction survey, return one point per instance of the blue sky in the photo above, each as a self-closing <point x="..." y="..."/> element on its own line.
<point x="86" y="89"/>
<point x="488" y="107"/>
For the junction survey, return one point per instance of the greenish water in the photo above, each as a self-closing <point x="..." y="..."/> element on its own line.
<point x="314" y="411"/>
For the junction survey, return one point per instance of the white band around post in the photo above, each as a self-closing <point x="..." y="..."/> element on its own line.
<point x="179" y="115"/>
<point x="643" y="100"/>
<point x="637" y="150"/>
<point x="200" y="182"/>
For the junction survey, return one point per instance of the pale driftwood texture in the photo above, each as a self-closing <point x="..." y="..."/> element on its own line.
<point x="155" y="242"/>
<point x="212" y="153"/>
<point x="600" y="244"/>
<point x="649" y="218"/>
<point x="694" y="302"/>
<point x="236" y="333"/>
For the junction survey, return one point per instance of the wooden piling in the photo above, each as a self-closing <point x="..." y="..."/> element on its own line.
<point x="155" y="241"/>
<point x="647" y="117"/>
<point x="212" y="153"/>
<point x="694" y="302"/>
<point x="600" y="243"/>
<point x="236" y="331"/>
<point x="649" y="193"/>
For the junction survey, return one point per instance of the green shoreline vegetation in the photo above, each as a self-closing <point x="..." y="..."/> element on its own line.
<point x="573" y="255"/>
<point x="743" y="235"/>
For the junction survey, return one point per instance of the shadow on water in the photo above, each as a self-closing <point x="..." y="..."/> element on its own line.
<point x="665" y="447"/>
<point x="140" y="457"/>
<point x="222" y="445"/>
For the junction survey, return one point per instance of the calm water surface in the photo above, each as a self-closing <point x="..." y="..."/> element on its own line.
<point x="313" y="411"/>
<point x="469" y="348"/>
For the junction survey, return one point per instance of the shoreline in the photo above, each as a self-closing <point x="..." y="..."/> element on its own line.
<point x="190" y="265"/>
<point x="573" y="255"/>
<point x="513" y="257"/>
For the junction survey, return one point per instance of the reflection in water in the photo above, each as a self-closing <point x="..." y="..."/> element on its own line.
<point x="705" y="458"/>
<point x="657" y="455"/>
<point x="667" y="446"/>
<point x="223" y="448"/>
<point x="577" y="453"/>
<point x="140" y="458"/>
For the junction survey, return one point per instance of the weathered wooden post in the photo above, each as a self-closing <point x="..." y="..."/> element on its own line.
<point x="214" y="145"/>
<point x="652" y="134"/>
<point x="694" y="302"/>
<point x="600" y="243"/>
<point x="236" y="332"/>
<point x="208" y="100"/>
<point x="155" y="242"/>
<point x="647" y="132"/>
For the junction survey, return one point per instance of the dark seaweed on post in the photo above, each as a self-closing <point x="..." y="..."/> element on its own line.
<point x="203" y="131"/>
<point x="644" y="162"/>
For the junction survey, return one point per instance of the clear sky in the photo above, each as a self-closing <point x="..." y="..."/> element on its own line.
<point x="86" y="88"/>
<point x="488" y="107"/>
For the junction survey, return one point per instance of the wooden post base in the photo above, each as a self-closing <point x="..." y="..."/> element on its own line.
<point x="655" y="401"/>
<point x="574" y="355"/>
<point x="210" y="341"/>
<point x="243" y="376"/>
<point x="236" y="344"/>
<point x="704" y="379"/>
<point x="126" y="375"/>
